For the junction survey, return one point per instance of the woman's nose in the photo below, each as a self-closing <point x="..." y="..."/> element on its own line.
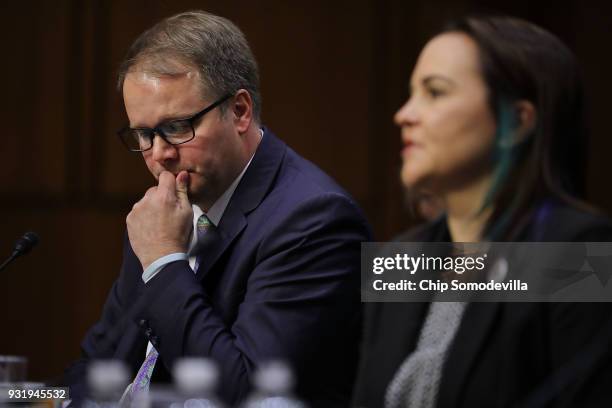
<point x="406" y="115"/>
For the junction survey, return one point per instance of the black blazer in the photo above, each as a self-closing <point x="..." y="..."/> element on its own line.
<point x="504" y="354"/>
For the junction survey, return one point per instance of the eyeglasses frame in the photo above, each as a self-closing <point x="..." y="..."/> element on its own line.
<point x="151" y="132"/>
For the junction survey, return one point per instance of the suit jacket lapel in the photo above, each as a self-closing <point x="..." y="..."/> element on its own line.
<point x="251" y="190"/>
<point x="471" y="337"/>
<point x="231" y="225"/>
<point x="406" y="318"/>
<point x="479" y="319"/>
<point x="473" y="332"/>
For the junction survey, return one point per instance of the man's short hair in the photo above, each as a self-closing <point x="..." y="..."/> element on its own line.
<point x="212" y="45"/>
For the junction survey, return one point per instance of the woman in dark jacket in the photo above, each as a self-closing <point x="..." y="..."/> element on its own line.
<point x="494" y="128"/>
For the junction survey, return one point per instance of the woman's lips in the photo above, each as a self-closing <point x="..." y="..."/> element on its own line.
<point x="408" y="146"/>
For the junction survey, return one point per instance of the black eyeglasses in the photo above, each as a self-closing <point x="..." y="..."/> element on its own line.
<point x="174" y="132"/>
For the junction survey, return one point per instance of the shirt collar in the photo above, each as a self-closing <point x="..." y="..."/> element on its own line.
<point x="216" y="211"/>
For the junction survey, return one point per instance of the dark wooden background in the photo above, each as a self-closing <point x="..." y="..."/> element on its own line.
<point x="333" y="73"/>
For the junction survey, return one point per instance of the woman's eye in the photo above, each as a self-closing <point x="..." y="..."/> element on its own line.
<point x="434" y="92"/>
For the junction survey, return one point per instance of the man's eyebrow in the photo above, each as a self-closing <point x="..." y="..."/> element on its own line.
<point x="165" y="119"/>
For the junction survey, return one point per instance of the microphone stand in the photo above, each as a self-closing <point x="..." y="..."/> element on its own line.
<point x="10" y="259"/>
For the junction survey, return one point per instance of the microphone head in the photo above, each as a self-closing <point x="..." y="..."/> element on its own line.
<point x="26" y="243"/>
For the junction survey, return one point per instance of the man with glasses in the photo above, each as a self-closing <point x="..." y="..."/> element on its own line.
<point x="244" y="252"/>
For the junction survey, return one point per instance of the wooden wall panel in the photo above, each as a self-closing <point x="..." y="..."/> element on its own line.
<point x="34" y="94"/>
<point x="592" y="44"/>
<point x="50" y="297"/>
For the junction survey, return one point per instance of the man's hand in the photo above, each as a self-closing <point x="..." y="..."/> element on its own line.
<point x="160" y="223"/>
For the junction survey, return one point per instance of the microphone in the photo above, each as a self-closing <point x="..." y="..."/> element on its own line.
<point x="22" y="247"/>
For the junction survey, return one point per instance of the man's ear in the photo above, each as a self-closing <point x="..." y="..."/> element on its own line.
<point x="526" y="120"/>
<point x="241" y="109"/>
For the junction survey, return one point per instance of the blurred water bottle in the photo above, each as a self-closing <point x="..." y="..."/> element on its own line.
<point x="107" y="380"/>
<point x="274" y="382"/>
<point x="13" y="369"/>
<point x="196" y="381"/>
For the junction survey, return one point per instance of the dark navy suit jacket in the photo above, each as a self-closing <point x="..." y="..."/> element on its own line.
<point x="281" y="280"/>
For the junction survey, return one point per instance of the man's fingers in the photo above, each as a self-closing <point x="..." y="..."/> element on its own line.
<point x="150" y="191"/>
<point x="177" y="187"/>
<point x="182" y="185"/>
<point x="166" y="182"/>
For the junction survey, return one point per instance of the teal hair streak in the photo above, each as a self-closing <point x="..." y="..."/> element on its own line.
<point x="505" y="153"/>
